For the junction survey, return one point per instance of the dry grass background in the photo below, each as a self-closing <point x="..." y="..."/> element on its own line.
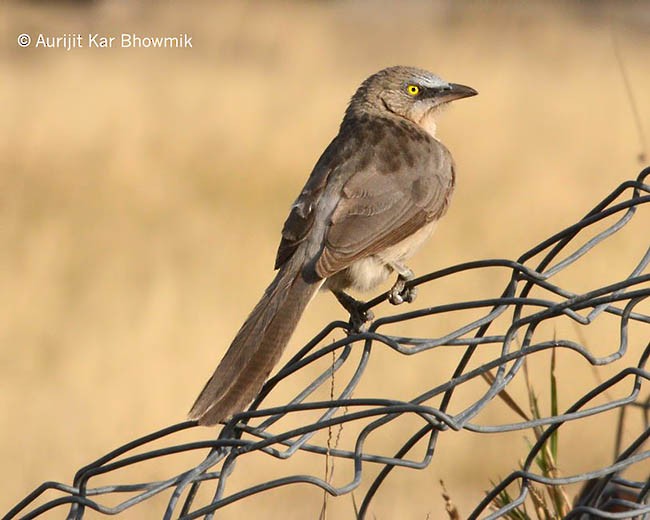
<point x="142" y="194"/>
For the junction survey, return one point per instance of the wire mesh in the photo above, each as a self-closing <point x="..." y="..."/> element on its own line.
<point x="509" y="329"/>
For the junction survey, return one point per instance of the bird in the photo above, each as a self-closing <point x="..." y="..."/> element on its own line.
<point x="372" y="199"/>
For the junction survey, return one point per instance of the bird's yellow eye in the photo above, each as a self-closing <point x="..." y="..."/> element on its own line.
<point x="413" y="90"/>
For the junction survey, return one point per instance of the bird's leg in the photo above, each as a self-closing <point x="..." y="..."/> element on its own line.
<point x="358" y="316"/>
<point x="399" y="293"/>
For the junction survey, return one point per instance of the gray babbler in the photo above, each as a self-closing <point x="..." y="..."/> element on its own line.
<point x="370" y="202"/>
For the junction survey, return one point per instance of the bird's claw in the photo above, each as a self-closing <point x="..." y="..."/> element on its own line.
<point x="400" y="293"/>
<point x="359" y="316"/>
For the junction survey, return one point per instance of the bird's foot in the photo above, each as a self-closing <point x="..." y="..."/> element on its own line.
<point x="400" y="293"/>
<point x="359" y="316"/>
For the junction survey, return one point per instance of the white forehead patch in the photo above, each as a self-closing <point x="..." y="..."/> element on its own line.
<point x="430" y="80"/>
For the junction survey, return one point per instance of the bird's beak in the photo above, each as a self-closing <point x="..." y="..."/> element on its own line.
<point x="456" y="91"/>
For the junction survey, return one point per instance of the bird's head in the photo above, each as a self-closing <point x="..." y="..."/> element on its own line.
<point x="409" y="92"/>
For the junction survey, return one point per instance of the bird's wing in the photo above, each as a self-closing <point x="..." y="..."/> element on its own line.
<point x="301" y="217"/>
<point x="405" y="183"/>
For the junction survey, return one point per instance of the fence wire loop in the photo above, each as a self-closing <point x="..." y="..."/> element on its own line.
<point x="506" y="326"/>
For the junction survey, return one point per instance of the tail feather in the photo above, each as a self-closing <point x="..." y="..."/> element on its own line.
<point x="257" y="347"/>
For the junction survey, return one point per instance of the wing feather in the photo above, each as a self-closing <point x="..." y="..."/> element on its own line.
<point x="381" y="206"/>
<point x="393" y="179"/>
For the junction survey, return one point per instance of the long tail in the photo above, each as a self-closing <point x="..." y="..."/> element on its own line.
<point x="257" y="347"/>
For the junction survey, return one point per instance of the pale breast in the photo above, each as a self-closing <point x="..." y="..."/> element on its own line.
<point x="405" y="249"/>
<point x="367" y="273"/>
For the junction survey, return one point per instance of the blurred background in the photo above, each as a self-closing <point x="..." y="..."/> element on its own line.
<point x="142" y="193"/>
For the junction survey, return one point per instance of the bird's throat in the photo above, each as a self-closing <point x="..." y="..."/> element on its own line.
<point x="428" y="123"/>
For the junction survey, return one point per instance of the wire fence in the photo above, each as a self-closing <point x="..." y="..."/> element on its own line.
<point x="510" y="329"/>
